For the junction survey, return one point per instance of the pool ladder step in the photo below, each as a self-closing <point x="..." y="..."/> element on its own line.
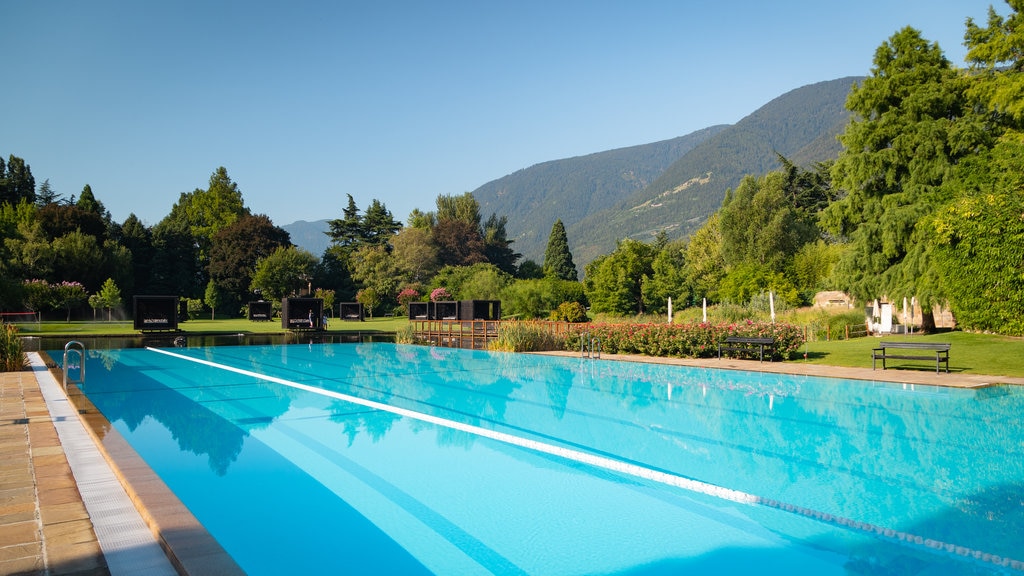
<point x="70" y="349"/>
<point x="589" y="347"/>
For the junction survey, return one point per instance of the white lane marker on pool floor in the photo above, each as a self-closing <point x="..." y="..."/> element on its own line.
<point x="660" y="477"/>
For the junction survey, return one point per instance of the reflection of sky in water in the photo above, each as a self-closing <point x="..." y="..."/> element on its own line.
<point x="246" y="455"/>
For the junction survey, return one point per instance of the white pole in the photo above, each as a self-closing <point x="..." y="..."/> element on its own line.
<point x="771" y="304"/>
<point x="705" y="310"/>
<point x="669" y="309"/>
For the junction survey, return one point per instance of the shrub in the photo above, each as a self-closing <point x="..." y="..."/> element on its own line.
<point x="12" y="354"/>
<point x="570" y="312"/>
<point x="694" y="340"/>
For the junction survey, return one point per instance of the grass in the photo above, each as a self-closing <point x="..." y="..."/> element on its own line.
<point x="203" y="326"/>
<point x="968" y="354"/>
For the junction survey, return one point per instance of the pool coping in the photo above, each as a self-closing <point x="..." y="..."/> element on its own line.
<point x="189" y="547"/>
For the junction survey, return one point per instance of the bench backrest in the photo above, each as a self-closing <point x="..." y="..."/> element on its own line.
<point x="749" y="340"/>
<point x="916" y="345"/>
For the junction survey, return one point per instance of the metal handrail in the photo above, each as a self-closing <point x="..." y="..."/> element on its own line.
<point x="78" y="348"/>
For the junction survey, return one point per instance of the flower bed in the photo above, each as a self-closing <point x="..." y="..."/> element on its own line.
<point x="696" y="340"/>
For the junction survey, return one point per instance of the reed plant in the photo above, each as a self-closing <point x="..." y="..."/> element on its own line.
<point x="526" y="337"/>
<point x="12" y="353"/>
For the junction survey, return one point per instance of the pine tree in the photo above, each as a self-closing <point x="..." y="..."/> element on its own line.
<point x="557" y="258"/>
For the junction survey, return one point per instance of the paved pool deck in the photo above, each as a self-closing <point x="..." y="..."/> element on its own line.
<point x="67" y="480"/>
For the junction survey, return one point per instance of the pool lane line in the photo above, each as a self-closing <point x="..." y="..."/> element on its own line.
<point x="661" y="477"/>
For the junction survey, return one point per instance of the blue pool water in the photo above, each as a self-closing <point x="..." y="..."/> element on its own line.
<point x="385" y="458"/>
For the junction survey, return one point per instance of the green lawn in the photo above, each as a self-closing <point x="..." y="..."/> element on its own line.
<point x="203" y="326"/>
<point x="968" y="353"/>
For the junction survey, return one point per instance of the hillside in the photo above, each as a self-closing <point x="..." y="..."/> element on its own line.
<point x="801" y="125"/>
<point x="634" y="192"/>
<point x="574" y="188"/>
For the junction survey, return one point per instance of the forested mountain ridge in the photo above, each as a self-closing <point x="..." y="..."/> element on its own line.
<point x="802" y="125"/>
<point x="672" y="185"/>
<point x="572" y="189"/>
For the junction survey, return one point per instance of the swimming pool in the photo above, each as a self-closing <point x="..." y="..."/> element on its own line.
<point x="387" y="458"/>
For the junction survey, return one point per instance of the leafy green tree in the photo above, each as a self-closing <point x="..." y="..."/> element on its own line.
<point x="78" y="255"/>
<point x="175" y="264"/>
<point x="87" y="201"/>
<point x="980" y="240"/>
<point x="912" y="123"/>
<point x="370" y="299"/>
<point x="557" y="257"/>
<point x="373" y="267"/>
<point x="416" y="254"/>
<point x="667" y="279"/>
<point x="110" y="295"/>
<point x="332" y="272"/>
<point x="234" y="252"/>
<point x="613" y="282"/>
<point x="213" y="298"/>
<point x="997" y="62"/>
<point x="138" y="240"/>
<point x="283" y="272"/>
<point x="61" y="219"/>
<point x="464" y="208"/>
<point x="16" y="181"/>
<point x="205" y="212"/>
<point x="705" y="266"/>
<point x="347" y="232"/>
<point x="529" y="270"/>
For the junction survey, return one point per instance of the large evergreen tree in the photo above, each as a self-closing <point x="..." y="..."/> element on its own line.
<point x="557" y="257"/>
<point x="234" y="253"/>
<point x="16" y="181"/>
<point x="912" y="123"/>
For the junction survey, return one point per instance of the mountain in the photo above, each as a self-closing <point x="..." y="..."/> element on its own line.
<point x="310" y="235"/>
<point x="802" y="125"/>
<point x="634" y="192"/>
<point x="572" y="189"/>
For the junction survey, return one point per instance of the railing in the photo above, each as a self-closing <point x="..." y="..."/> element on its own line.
<point x="71" y="348"/>
<point x="589" y="347"/>
<point x="475" y="334"/>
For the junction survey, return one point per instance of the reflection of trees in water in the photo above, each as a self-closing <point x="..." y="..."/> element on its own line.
<point x="131" y="396"/>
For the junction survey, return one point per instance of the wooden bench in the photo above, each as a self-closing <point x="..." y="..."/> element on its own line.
<point x="940" y="349"/>
<point x="745" y="344"/>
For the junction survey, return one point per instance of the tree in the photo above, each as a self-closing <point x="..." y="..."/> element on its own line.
<point x="459" y="242"/>
<point x="46" y="194"/>
<point x="374" y="267"/>
<point x="997" y="61"/>
<point x="912" y="123"/>
<point x="369" y="298"/>
<point x="497" y="246"/>
<point x="234" y="252"/>
<point x="282" y="272"/>
<point x="980" y="238"/>
<point x="70" y="296"/>
<point x="379" y="226"/>
<point x="175" y="265"/>
<point x="205" y="212"/>
<point x="613" y="282"/>
<point x="16" y="181"/>
<point x="705" y="266"/>
<point x="557" y="257"/>
<point x="138" y="240"/>
<point x="78" y="255"/>
<point x="667" y="279"/>
<point x="416" y="254"/>
<point x="212" y="298"/>
<point x="87" y="201"/>
<point x="110" y="295"/>
<point x="347" y="232"/>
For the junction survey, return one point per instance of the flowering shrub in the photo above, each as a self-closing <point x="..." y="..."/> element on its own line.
<point x="440" y="295"/>
<point x="407" y="295"/>
<point x="695" y="340"/>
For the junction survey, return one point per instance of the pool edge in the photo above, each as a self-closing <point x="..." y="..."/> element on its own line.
<point x="188" y="545"/>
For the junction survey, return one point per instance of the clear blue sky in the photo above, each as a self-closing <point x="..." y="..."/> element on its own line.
<point x="304" y="102"/>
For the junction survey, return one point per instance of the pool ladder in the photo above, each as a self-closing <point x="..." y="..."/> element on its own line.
<point x="589" y="347"/>
<point x="70" y="349"/>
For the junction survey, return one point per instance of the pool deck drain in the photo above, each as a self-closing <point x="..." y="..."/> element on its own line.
<point x="64" y="510"/>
